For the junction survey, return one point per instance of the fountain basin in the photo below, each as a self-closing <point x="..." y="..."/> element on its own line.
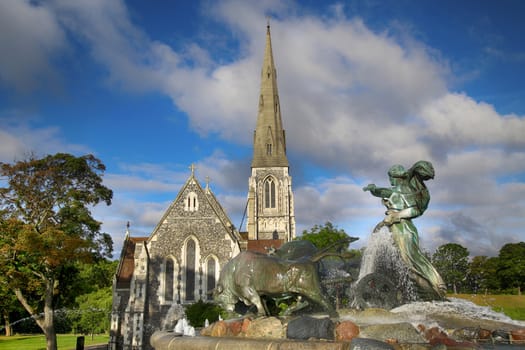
<point x="171" y="341"/>
<point x="454" y="324"/>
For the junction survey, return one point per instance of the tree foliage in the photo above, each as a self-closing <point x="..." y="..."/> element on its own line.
<point x="451" y="261"/>
<point x="504" y="273"/>
<point x="93" y="312"/>
<point x="47" y="226"/>
<point x="323" y="236"/>
<point x="511" y="266"/>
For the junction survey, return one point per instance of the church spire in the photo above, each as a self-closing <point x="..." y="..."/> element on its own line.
<point x="269" y="143"/>
<point x="270" y="208"/>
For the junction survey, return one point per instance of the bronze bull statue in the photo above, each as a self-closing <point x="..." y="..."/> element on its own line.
<point x="250" y="275"/>
<point x="289" y="272"/>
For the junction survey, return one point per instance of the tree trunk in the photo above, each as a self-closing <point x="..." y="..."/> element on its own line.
<point x="47" y="324"/>
<point x="49" y="316"/>
<point x="8" y="328"/>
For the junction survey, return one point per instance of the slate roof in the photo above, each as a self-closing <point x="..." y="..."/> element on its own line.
<point x="127" y="261"/>
<point x="262" y="245"/>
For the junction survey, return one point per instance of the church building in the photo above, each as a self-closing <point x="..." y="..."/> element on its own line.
<point x="180" y="261"/>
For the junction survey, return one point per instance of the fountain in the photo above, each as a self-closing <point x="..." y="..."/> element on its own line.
<point x="397" y="300"/>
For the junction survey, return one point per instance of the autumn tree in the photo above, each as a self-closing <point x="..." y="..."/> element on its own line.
<point x="47" y="226"/>
<point x="451" y="261"/>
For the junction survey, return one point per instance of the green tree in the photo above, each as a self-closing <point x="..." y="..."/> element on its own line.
<point x="323" y="236"/>
<point x="9" y="306"/>
<point x="483" y="274"/>
<point x="492" y="279"/>
<point x="93" y="311"/>
<point x="477" y="274"/>
<point x="511" y="266"/>
<point x="451" y="261"/>
<point x="89" y="277"/>
<point x="47" y="226"/>
<point x="99" y="275"/>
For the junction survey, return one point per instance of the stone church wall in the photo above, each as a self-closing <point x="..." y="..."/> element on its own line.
<point x="205" y="227"/>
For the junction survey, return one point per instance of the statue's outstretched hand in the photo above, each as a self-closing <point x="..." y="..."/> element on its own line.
<point x="369" y="187"/>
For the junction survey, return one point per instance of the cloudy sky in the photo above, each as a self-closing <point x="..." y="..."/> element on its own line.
<point x="150" y="87"/>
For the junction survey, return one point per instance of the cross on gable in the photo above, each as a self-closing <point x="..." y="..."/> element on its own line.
<point x="193" y="167"/>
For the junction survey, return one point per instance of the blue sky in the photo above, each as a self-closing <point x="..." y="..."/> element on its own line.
<point x="150" y="87"/>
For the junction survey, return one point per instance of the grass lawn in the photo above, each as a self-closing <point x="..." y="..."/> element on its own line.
<point x="511" y="305"/>
<point x="38" y="342"/>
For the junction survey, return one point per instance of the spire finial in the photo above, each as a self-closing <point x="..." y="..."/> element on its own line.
<point x="127" y="229"/>
<point x="192" y="168"/>
<point x="268" y="21"/>
<point x="207" y="183"/>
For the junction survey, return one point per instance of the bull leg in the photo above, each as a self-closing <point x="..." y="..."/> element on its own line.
<point x="319" y="299"/>
<point x="300" y="303"/>
<point x="255" y="299"/>
<point x="265" y="305"/>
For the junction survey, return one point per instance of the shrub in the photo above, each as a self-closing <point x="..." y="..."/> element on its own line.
<point x="200" y="311"/>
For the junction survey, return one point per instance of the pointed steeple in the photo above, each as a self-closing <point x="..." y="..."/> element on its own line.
<point x="270" y="208"/>
<point x="269" y="142"/>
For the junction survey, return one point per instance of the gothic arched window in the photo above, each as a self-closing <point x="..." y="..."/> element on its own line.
<point x="169" y="279"/>
<point x="190" y="270"/>
<point x="210" y="282"/>
<point x="269" y="193"/>
<point x="192" y="202"/>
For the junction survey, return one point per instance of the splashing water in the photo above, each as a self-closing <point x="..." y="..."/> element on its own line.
<point x="380" y="244"/>
<point x="453" y="306"/>
<point x="382" y="256"/>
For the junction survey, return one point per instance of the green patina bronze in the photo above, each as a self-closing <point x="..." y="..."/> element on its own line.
<point x="250" y="277"/>
<point x="408" y="198"/>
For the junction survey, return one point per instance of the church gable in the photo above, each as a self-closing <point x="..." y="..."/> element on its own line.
<point x="194" y="212"/>
<point x="189" y="245"/>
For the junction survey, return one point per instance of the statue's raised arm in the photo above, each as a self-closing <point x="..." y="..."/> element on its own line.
<point x="381" y="192"/>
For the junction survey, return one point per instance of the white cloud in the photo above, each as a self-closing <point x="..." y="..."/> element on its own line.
<point x="19" y="138"/>
<point x="30" y="38"/>
<point x="131" y="59"/>
<point x="353" y="100"/>
<point x="456" y="121"/>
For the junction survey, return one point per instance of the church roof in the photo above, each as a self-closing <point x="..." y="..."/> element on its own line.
<point x="127" y="263"/>
<point x="269" y="144"/>
<point x="263" y="245"/>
